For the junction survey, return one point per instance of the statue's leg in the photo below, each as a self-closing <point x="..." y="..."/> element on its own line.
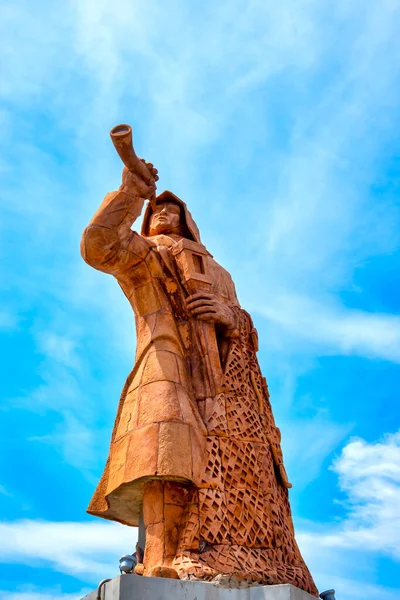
<point x="163" y="506"/>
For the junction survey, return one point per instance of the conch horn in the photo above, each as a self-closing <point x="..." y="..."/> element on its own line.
<point x="121" y="137"/>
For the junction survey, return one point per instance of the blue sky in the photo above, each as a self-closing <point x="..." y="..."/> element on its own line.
<point x="277" y="124"/>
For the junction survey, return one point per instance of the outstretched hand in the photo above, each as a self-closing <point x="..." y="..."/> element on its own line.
<point x="208" y="307"/>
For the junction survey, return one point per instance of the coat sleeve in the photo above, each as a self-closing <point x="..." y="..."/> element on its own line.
<point x="108" y="243"/>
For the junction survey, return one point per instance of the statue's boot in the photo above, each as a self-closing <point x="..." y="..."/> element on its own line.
<point x="166" y="572"/>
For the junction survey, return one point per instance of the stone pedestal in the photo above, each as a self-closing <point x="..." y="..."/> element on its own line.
<point x="133" y="587"/>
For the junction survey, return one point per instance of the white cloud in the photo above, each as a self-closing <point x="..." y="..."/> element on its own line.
<point x="369" y="477"/>
<point x="87" y="550"/>
<point x="329" y="328"/>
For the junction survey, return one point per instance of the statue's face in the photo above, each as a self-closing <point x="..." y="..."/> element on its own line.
<point x="165" y="219"/>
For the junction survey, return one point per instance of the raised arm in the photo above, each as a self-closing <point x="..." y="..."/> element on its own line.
<point x="108" y="243"/>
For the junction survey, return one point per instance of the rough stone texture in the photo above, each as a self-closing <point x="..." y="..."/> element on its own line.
<point x="195" y="451"/>
<point x="131" y="587"/>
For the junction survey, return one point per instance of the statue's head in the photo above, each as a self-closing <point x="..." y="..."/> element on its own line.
<point x="171" y="216"/>
<point x="166" y="218"/>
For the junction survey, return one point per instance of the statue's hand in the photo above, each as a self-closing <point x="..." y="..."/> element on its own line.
<point x="135" y="185"/>
<point x="208" y="307"/>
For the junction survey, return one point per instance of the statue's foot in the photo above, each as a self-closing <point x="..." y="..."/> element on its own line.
<point x="165" y="572"/>
<point x="139" y="569"/>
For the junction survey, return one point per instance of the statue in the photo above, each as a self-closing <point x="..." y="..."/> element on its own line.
<point x="195" y="451"/>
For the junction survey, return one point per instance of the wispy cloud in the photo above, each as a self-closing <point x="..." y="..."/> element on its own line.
<point x="369" y="478"/>
<point x="84" y="550"/>
<point x="61" y="394"/>
<point x="58" y="348"/>
<point x="329" y="328"/>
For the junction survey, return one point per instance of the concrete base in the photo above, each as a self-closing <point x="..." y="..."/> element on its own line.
<point x="134" y="587"/>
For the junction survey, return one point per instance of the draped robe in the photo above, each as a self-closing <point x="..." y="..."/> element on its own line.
<point x="224" y="449"/>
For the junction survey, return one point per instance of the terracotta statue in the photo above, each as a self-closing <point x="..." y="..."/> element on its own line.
<point x="195" y="451"/>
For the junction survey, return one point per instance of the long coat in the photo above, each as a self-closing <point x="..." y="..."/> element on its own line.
<point x="224" y="447"/>
<point x="158" y="430"/>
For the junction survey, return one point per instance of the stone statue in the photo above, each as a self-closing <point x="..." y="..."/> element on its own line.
<point x="195" y="451"/>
